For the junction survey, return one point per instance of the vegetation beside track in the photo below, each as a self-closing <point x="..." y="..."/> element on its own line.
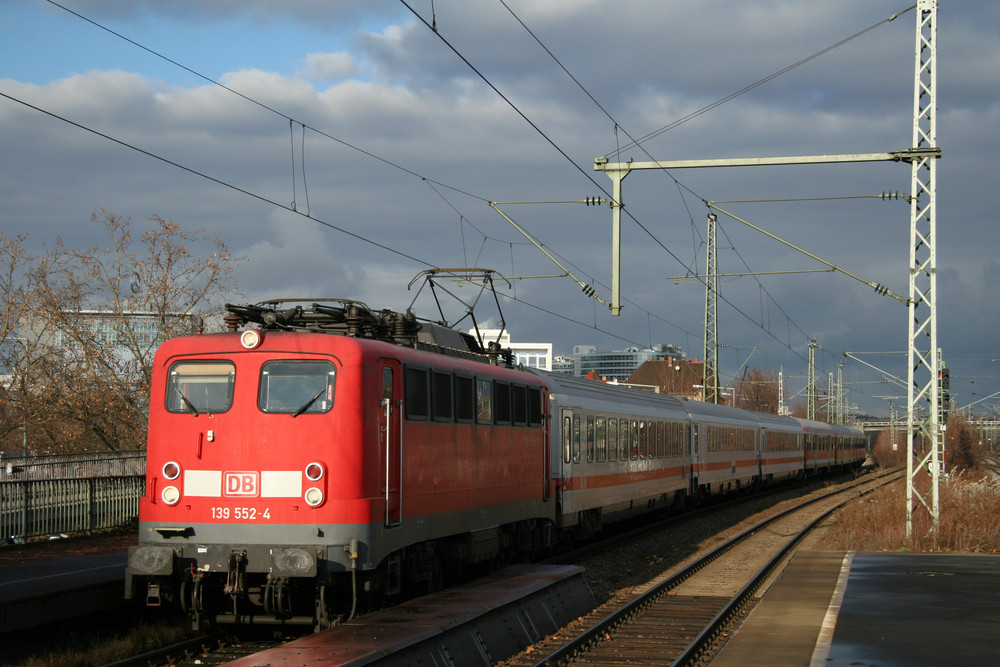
<point x="968" y="502"/>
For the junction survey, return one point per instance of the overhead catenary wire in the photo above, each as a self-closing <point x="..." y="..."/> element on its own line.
<point x="288" y="208"/>
<point x="304" y="127"/>
<point x="353" y="147"/>
<point x="758" y="83"/>
<point x="879" y="288"/>
<point x="678" y="184"/>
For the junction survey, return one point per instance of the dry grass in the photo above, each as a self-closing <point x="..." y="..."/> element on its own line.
<point x="969" y="520"/>
<point x="84" y="652"/>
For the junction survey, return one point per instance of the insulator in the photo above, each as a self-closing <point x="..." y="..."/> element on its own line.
<point x="588" y="290"/>
<point x="232" y="321"/>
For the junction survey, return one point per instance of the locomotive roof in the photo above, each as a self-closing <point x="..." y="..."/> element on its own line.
<point x="355" y="319"/>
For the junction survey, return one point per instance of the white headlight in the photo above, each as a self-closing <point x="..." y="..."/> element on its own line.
<point x="250" y="339"/>
<point x="314" y="497"/>
<point x="171" y="495"/>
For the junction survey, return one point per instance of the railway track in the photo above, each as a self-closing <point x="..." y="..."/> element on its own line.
<point x="659" y="626"/>
<point x="685" y="616"/>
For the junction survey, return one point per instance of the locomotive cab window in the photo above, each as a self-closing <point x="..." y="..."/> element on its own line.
<point x="200" y="387"/>
<point x="296" y="387"/>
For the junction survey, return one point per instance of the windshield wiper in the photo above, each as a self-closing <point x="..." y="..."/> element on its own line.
<point x="308" y="403"/>
<point x="187" y="402"/>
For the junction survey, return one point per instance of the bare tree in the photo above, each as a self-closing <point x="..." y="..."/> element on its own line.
<point x="95" y="318"/>
<point x="757" y="390"/>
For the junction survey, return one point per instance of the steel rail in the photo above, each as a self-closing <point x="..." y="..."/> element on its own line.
<point x="638" y="604"/>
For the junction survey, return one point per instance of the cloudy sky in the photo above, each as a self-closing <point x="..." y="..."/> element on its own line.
<point x="343" y="147"/>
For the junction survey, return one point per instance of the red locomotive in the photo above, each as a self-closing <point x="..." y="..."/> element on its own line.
<point x="327" y="458"/>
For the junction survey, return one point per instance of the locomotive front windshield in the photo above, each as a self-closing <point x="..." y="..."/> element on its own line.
<point x="296" y="387"/>
<point x="197" y="387"/>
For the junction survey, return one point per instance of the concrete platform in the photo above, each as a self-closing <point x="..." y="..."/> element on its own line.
<point x="866" y="609"/>
<point x="38" y="592"/>
<point x="480" y="623"/>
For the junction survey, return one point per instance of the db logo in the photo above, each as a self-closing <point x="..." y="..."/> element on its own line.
<point x="240" y="483"/>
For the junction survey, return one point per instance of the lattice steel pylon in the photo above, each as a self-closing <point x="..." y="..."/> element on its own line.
<point x="922" y="353"/>
<point x="710" y="368"/>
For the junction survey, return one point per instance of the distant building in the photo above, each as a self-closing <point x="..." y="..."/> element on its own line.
<point x="562" y="364"/>
<point x="122" y="333"/>
<point x="530" y="355"/>
<point x="615" y="364"/>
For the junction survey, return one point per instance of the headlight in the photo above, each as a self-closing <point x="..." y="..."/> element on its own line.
<point x="314" y="471"/>
<point x="171" y="470"/>
<point x="171" y="495"/>
<point x="313" y="497"/>
<point x="250" y="339"/>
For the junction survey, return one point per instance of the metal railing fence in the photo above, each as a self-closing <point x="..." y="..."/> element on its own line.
<point x="63" y="466"/>
<point x="34" y="508"/>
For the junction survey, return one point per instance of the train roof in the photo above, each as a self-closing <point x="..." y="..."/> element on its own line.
<point x="773" y="421"/>
<point x="814" y="426"/>
<point x="610" y="394"/>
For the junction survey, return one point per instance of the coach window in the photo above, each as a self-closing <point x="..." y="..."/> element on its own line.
<point x="635" y="439"/>
<point x="567" y="437"/>
<point x="417" y="394"/>
<point x="612" y="439"/>
<point x="576" y="438"/>
<point x="601" y="435"/>
<point x="465" y="399"/>
<point x="484" y="401"/>
<point x="296" y="387"/>
<point x="200" y="387"/>
<point x="623" y="438"/>
<point x="441" y="396"/>
<point x="590" y="439"/>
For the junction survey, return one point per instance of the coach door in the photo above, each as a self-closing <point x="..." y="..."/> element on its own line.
<point x="390" y="439"/>
<point x="569" y="441"/>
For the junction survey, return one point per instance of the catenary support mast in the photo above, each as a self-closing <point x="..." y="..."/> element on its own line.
<point x="710" y="367"/>
<point x="922" y="355"/>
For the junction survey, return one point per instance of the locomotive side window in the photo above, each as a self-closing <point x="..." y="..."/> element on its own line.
<point x="465" y="399"/>
<point x="501" y="402"/>
<point x="519" y="404"/>
<point x="197" y="387"/>
<point x="296" y="387"/>
<point x="534" y="406"/>
<point x="484" y="401"/>
<point x="417" y="394"/>
<point x="441" y="395"/>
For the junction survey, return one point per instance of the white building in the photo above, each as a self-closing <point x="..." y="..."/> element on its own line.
<point x="530" y="355"/>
